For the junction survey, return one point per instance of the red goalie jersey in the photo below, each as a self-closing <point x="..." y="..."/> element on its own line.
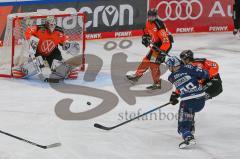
<point x="48" y="41"/>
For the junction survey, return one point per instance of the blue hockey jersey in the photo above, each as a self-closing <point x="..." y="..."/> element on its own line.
<point x="186" y="81"/>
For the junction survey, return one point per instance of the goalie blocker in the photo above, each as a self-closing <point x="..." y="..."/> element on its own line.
<point x="43" y="47"/>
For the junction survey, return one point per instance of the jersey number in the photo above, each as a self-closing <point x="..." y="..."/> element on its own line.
<point x="190" y="86"/>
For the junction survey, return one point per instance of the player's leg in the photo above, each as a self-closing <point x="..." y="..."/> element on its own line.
<point x="236" y="16"/>
<point x="56" y="54"/>
<point x="155" y="72"/>
<point x="142" y="68"/>
<point x="28" y="69"/>
<point x="186" y="121"/>
<point x="59" y="68"/>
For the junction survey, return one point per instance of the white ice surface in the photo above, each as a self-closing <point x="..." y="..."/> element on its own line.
<point x="27" y="109"/>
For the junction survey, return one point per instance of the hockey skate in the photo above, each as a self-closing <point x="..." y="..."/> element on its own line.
<point x="235" y="31"/>
<point x="133" y="78"/>
<point x="188" y="141"/>
<point x="154" y="86"/>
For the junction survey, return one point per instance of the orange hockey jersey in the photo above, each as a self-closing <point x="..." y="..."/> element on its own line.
<point x="47" y="41"/>
<point x="211" y="66"/>
<point x="158" y="35"/>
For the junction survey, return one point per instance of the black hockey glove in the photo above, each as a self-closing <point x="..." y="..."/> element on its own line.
<point x="146" y="40"/>
<point x="174" y="98"/>
<point x="161" y="58"/>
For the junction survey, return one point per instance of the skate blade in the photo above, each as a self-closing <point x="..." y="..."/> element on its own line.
<point x="131" y="82"/>
<point x="149" y="90"/>
<point x="185" y="145"/>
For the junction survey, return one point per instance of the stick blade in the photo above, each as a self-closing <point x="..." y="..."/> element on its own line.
<point x="52" y="80"/>
<point x="99" y="126"/>
<point x="53" y="145"/>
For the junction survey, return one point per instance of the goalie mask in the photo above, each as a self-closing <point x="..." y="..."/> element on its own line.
<point x="50" y="23"/>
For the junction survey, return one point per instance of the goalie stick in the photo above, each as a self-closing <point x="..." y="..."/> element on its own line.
<point x="32" y="143"/>
<point x="96" y="125"/>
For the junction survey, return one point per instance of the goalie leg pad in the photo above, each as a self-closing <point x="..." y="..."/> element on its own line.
<point x="18" y="72"/>
<point x="62" y="70"/>
<point x="59" y="69"/>
<point x="26" y="70"/>
<point x="31" y="69"/>
<point x="73" y="74"/>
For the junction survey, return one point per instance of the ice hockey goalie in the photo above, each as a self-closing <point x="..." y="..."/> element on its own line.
<point x="44" y="42"/>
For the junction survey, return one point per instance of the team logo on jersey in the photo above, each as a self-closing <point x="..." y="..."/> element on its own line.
<point x="47" y="46"/>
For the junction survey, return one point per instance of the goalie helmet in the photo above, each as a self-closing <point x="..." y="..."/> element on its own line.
<point x="50" y="23"/>
<point x="152" y="14"/>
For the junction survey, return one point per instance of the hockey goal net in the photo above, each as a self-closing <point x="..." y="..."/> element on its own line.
<point x="14" y="49"/>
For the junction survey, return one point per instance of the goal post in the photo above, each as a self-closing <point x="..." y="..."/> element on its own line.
<point x="14" y="50"/>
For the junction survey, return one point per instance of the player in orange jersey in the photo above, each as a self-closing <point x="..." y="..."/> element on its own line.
<point x="44" y="41"/>
<point x="212" y="86"/>
<point x="236" y="17"/>
<point x="160" y="41"/>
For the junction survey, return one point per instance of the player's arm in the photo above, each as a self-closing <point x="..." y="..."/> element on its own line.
<point x="30" y="31"/>
<point x="166" y="44"/>
<point x="212" y="68"/>
<point x="163" y="49"/>
<point x="146" y="38"/>
<point x="175" y="94"/>
<point x="197" y="72"/>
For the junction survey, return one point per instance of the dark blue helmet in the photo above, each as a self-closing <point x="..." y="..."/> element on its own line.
<point x="186" y="54"/>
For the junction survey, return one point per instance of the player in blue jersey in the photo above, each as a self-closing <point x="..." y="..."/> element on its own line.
<point x="185" y="78"/>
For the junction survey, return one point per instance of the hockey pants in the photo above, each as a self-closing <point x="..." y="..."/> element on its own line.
<point x="145" y="65"/>
<point x="186" y="114"/>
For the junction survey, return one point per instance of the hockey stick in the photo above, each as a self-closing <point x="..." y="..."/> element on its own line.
<point x="46" y="79"/>
<point x="158" y="50"/>
<point x="96" y="125"/>
<point x="30" y="142"/>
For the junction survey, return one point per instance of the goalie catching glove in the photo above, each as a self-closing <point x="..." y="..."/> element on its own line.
<point x="71" y="47"/>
